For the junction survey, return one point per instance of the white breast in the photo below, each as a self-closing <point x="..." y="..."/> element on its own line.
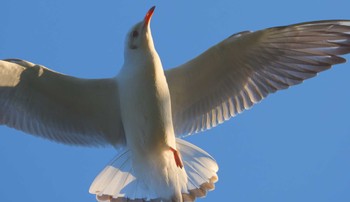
<point x="145" y="106"/>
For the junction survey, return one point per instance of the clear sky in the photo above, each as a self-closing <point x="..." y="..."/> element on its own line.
<point x="293" y="146"/>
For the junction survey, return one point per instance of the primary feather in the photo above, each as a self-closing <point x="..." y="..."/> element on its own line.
<point x="58" y="107"/>
<point x="240" y="71"/>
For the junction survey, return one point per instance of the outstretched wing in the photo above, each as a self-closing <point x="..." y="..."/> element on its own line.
<point x="243" y="69"/>
<point x="65" y="109"/>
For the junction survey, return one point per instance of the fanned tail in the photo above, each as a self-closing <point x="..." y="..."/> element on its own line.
<point x="201" y="170"/>
<point x="117" y="182"/>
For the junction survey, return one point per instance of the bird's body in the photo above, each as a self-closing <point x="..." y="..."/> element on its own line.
<point x="146" y="81"/>
<point x="147" y="121"/>
<point x="144" y="110"/>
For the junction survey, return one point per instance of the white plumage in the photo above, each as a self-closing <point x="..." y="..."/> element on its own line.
<point x="144" y="109"/>
<point x="118" y="178"/>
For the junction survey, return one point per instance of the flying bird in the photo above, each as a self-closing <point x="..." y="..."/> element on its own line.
<point x="145" y="110"/>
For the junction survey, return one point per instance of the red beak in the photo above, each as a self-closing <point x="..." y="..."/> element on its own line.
<point x="149" y="15"/>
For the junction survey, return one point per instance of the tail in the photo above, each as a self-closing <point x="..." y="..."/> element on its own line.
<point x="117" y="182"/>
<point x="201" y="170"/>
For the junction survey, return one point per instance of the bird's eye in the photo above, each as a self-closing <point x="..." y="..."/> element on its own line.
<point x="135" y="34"/>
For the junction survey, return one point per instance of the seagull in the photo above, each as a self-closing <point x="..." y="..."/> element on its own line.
<point x="144" y="111"/>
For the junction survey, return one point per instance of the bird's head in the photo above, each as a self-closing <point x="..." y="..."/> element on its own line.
<point x="139" y="37"/>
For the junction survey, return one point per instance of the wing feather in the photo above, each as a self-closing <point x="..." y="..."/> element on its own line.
<point x="240" y="71"/>
<point x="61" y="108"/>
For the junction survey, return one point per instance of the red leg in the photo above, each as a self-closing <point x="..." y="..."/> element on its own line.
<point x="177" y="158"/>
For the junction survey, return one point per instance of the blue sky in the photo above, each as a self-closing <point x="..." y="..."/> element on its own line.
<point x="293" y="146"/>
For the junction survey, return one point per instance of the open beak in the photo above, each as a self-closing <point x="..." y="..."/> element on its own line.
<point x="149" y="16"/>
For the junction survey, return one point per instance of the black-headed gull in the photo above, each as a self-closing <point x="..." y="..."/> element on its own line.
<point x="144" y="110"/>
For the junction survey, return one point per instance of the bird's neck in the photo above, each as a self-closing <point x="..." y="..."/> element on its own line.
<point x="146" y="62"/>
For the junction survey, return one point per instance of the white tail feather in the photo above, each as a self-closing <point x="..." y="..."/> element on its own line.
<point x="201" y="170"/>
<point x="117" y="181"/>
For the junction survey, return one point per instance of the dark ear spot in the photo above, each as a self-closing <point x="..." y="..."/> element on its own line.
<point x="133" y="37"/>
<point x="132" y="44"/>
<point x="135" y="34"/>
